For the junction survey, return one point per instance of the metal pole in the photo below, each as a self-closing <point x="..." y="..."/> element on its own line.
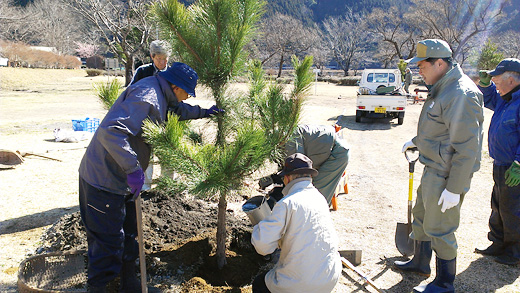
<point x="316" y="81"/>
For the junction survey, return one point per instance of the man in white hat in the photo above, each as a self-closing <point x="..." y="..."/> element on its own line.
<point x="449" y="139"/>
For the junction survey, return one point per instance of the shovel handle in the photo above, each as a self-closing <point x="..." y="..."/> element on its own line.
<point x="142" y="260"/>
<point x="410" y="186"/>
<point x="349" y="265"/>
<point x="408" y="155"/>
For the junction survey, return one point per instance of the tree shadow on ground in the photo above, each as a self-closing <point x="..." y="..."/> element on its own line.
<point x="409" y="280"/>
<point x="35" y="220"/>
<point x="492" y="276"/>
<point x="361" y="284"/>
<point x="366" y="124"/>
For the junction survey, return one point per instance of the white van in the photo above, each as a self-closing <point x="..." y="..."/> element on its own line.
<point x="389" y="103"/>
<point x="376" y="78"/>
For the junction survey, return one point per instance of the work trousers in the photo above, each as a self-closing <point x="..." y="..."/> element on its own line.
<point x="429" y="223"/>
<point x="110" y="222"/>
<point x="504" y="222"/>
<point x="331" y="170"/>
<point x="259" y="285"/>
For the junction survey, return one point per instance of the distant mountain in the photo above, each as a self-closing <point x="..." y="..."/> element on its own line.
<point x="310" y="11"/>
<point x="325" y="8"/>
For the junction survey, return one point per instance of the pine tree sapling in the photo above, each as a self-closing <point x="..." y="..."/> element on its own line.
<point x="210" y="36"/>
<point x="108" y="92"/>
<point x="264" y="120"/>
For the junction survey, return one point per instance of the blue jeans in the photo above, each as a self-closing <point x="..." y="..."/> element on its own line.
<point x="111" y="225"/>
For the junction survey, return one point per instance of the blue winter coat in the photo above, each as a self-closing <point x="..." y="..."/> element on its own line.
<point x="504" y="130"/>
<point x="118" y="147"/>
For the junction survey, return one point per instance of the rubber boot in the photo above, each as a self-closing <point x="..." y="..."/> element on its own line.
<point x="128" y="280"/>
<point x="420" y="263"/>
<point x="443" y="282"/>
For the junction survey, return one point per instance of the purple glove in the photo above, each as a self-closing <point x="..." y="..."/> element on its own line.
<point x="135" y="181"/>
<point x="213" y="111"/>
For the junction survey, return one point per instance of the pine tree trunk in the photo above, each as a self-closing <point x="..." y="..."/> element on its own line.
<point x="220" y="134"/>
<point x="217" y="94"/>
<point x="221" y="232"/>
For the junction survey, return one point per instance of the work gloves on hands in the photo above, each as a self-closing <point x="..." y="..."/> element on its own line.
<point x="135" y="180"/>
<point x="485" y="78"/>
<point x="513" y="175"/>
<point x="213" y="111"/>
<point x="448" y="200"/>
<point x="408" y="145"/>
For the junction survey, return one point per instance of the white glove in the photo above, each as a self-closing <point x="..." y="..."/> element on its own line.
<point x="448" y="200"/>
<point x="408" y="145"/>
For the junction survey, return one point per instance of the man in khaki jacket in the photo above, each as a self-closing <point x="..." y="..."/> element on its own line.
<point x="449" y="140"/>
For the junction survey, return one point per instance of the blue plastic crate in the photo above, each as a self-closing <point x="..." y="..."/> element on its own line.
<point x="87" y="124"/>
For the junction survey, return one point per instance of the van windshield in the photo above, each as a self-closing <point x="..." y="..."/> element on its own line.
<point x="381" y="77"/>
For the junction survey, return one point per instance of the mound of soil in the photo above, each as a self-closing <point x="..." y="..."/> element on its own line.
<point x="179" y="240"/>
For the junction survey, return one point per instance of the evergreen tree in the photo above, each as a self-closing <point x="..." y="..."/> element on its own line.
<point x="264" y="121"/>
<point x="489" y="57"/>
<point x="210" y="36"/>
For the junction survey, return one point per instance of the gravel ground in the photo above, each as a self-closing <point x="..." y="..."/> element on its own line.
<point x="38" y="192"/>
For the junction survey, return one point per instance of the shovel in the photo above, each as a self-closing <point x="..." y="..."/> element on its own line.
<point x="142" y="259"/>
<point x="404" y="243"/>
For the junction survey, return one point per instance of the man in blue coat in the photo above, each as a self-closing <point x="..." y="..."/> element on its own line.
<point x="501" y="89"/>
<point x="111" y="171"/>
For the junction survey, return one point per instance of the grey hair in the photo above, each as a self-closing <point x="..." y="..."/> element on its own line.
<point x="159" y="47"/>
<point x="295" y="176"/>
<point x="515" y="75"/>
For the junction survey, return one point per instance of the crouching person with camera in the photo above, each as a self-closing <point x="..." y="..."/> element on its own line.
<point x="301" y="226"/>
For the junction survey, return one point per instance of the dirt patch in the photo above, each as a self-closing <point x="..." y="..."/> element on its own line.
<point x="179" y="240"/>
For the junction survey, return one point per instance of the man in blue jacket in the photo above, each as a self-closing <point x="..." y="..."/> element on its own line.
<point x="111" y="171"/>
<point x="501" y="89"/>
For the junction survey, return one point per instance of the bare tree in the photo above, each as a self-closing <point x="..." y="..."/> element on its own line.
<point x="344" y="37"/>
<point x="57" y="26"/>
<point x="283" y="36"/>
<point x="44" y="23"/>
<point x="123" y="24"/>
<point x="15" y="23"/>
<point x="396" y="33"/>
<point x="361" y="60"/>
<point x="509" y="43"/>
<point x="320" y="53"/>
<point x="456" y="21"/>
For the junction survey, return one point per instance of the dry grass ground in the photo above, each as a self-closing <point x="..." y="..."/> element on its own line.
<point x="35" y="194"/>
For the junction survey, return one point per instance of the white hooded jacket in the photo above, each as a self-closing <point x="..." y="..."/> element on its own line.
<point x="302" y="227"/>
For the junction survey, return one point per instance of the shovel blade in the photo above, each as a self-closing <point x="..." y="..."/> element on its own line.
<point x="403" y="242"/>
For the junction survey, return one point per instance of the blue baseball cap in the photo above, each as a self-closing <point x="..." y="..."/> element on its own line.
<point x="181" y="75"/>
<point x="508" y="64"/>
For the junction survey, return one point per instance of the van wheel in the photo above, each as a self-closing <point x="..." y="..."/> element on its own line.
<point x="358" y="116"/>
